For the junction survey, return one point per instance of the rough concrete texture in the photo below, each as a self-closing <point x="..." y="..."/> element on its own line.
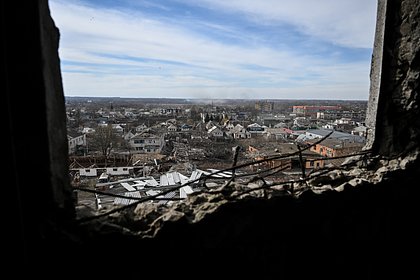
<point x="397" y="117"/>
<point x="55" y="108"/>
<point x="35" y="143"/>
<point x="376" y="72"/>
<point x="147" y="220"/>
<point x="342" y="220"/>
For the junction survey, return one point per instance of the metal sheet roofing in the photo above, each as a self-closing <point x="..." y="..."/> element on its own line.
<point x="127" y="201"/>
<point x="128" y="187"/>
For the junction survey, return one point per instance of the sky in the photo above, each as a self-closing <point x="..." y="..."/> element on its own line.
<point x="248" y="49"/>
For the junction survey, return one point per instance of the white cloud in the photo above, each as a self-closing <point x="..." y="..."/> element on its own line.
<point x="348" y="23"/>
<point x="337" y="83"/>
<point x="209" y="67"/>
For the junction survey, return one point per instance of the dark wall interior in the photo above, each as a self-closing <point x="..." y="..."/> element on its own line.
<point x="35" y="146"/>
<point x="360" y="233"/>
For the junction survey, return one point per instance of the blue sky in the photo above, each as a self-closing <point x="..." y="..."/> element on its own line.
<point x="274" y="49"/>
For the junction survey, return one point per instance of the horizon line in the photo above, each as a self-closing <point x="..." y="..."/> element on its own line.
<point x="197" y="98"/>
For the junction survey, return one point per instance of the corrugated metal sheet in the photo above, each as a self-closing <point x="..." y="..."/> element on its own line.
<point x="139" y="185"/>
<point x="151" y="182"/>
<point x="151" y="192"/>
<point x="168" y="195"/>
<point x="185" y="191"/>
<point x="203" y="172"/>
<point x="217" y="176"/>
<point x="225" y="174"/>
<point x="127" y="201"/>
<point x="196" y="174"/>
<point x="176" y="177"/>
<point x="182" y="193"/>
<point x="171" y="180"/>
<point x="184" y="179"/>
<point x="128" y="187"/>
<point x="164" y="180"/>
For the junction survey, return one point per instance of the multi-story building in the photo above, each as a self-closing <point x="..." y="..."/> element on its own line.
<point x="311" y="111"/>
<point x="146" y="142"/>
<point x="264" y="106"/>
<point x="337" y="114"/>
<point x="75" y="142"/>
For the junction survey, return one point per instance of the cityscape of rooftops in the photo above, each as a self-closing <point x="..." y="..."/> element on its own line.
<point x="162" y="96"/>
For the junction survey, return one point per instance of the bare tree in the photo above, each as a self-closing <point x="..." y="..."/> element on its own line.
<point x="104" y="139"/>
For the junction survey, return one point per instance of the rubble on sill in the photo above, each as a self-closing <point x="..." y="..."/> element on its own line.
<point x="147" y="219"/>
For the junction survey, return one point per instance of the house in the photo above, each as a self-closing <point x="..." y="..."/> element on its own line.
<point x="280" y="124"/>
<point x="141" y="127"/>
<point x="128" y="135"/>
<point x="278" y="133"/>
<point x="301" y="123"/>
<point x="344" y="121"/>
<point x="270" y="120"/>
<point x="328" y="126"/>
<point x="87" y="130"/>
<point x="210" y="124"/>
<point x="75" y="142"/>
<point x="360" y="130"/>
<point x="119" y="171"/>
<point x="118" y="128"/>
<point x="215" y="132"/>
<point x="146" y="142"/>
<point x="172" y="128"/>
<point x="334" y="148"/>
<point x="239" y="132"/>
<point x="88" y="172"/>
<point x="344" y="127"/>
<point x="186" y="127"/>
<point x="129" y="114"/>
<point x="229" y="126"/>
<point x="255" y="129"/>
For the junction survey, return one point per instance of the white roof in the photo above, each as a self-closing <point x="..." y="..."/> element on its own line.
<point x="196" y="174"/>
<point x="128" y="187"/>
<point x="164" y="180"/>
<point x="171" y="179"/>
<point x="225" y="174"/>
<point x="187" y="189"/>
<point x="152" y="192"/>
<point x="139" y="185"/>
<point x="184" y="179"/>
<point x="184" y="191"/>
<point x="151" y="182"/>
<point x="214" y="128"/>
<point x="254" y="125"/>
<point x="126" y="201"/>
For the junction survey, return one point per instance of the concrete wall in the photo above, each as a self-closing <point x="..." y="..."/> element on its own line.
<point x="32" y="90"/>
<point x="395" y="87"/>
